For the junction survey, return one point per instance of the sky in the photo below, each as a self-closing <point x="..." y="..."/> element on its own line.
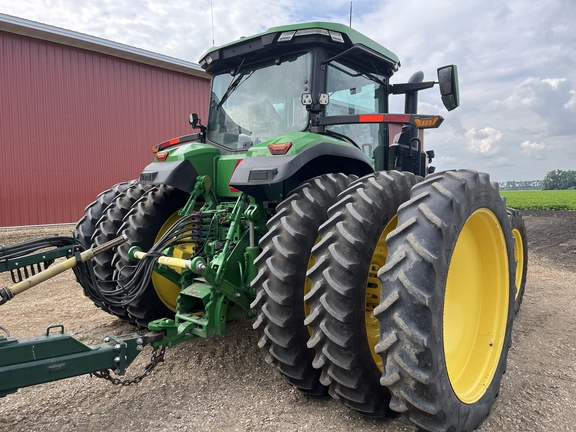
<point x="516" y="61"/>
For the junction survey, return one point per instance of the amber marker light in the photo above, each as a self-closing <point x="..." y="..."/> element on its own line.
<point x="279" y="149"/>
<point x="431" y="122"/>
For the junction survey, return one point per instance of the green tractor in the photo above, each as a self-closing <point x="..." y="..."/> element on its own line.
<point x="304" y="204"/>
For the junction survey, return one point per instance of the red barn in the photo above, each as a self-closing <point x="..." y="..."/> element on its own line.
<point x="79" y="114"/>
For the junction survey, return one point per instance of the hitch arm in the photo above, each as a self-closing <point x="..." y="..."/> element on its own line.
<point x="56" y="355"/>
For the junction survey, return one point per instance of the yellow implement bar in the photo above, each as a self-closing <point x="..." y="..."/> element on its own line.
<point x="167" y="261"/>
<point x="7" y="293"/>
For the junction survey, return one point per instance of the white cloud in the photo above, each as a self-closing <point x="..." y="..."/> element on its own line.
<point x="571" y="104"/>
<point x="484" y="142"/>
<point x="541" y="107"/>
<point x="534" y="149"/>
<point x="536" y="93"/>
<point x="516" y="60"/>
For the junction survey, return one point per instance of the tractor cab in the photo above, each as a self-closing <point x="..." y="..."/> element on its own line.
<point x="308" y="78"/>
<point x="286" y="79"/>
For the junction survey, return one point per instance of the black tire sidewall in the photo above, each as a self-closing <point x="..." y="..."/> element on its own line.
<point x="142" y="225"/>
<point x="483" y="196"/>
<point x="517" y="223"/>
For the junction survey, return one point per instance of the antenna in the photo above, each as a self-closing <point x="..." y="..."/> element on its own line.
<point x="212" y="15"/>
<point x="351" y="14"/>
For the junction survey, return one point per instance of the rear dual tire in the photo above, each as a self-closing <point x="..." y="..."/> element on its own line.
<point x="107" y="229"/>
<point x="141" y="212"/>
<point x="346" y="289"/>
<point x="447" y="302"/>
<point x="85" y="229"/>
<point x="281" y="279"/>
<point x="143" y="224"/>
<point x="520" y="255"/>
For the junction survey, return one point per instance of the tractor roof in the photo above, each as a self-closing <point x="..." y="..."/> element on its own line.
<point x="289" y="38"/>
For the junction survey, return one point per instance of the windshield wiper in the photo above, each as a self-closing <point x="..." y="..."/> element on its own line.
<point x="234" y="84"/>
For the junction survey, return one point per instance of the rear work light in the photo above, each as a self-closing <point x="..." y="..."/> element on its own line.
<point x="287" y="36"/>
<point x="279" y="149"/>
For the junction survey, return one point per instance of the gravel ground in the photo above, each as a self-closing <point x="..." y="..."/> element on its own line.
<point x="224" y="383"/>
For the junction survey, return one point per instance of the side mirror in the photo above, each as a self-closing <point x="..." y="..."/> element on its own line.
<point x="194" y="120"/>
<point x="448" y="80"/>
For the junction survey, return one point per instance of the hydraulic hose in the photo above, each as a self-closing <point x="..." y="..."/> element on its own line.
<point x="9" y="292"/>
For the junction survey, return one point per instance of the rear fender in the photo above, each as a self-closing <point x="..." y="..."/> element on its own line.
<point x="181" y="166"/>
<point x="179" y="174"/>
<point x="271" y="178"/>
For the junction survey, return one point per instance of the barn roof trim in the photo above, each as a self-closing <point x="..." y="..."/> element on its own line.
<point x="62" y="36"/>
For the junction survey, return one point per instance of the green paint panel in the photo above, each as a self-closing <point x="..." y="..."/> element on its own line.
<point x="200" y="155"/>
<point x="301" y="141"/>
<point x="225" y="166"/>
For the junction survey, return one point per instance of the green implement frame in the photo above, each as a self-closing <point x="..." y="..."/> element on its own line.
<point x="56" y="356"/>
<point x="22" y="263"/>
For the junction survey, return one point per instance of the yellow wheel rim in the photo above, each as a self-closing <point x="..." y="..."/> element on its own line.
<point x="373" y="289"/>
<point x="476" y="306"/>
<point x="167" y="290"/>
<point x="519" y="259"/>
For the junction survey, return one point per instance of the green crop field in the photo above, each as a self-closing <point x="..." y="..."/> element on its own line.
<point x="541" y="199"/>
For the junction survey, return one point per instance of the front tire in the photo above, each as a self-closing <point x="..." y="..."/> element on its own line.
<point x="281" y="279"/>
<point x="447" y="302"/>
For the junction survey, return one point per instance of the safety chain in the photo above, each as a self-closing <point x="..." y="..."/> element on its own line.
<point x="157" y="357"/>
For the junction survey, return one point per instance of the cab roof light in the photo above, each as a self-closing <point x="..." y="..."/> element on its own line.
<point x="279" y="149"/>
<point x="336" y="37"/>
<point x="287" y="36"/>
<point x="312" y="31"/>
<point x="206" y="60"/>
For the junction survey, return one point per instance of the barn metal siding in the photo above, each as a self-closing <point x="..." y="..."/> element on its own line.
<point x="74" y="122"/>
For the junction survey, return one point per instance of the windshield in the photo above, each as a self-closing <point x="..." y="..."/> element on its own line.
<point x="259" y="102"/>
<point x="353" y="93"/>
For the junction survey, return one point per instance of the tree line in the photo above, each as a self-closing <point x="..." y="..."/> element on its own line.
<point x="559" y="179"/>
<point x="554" y="180"/>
